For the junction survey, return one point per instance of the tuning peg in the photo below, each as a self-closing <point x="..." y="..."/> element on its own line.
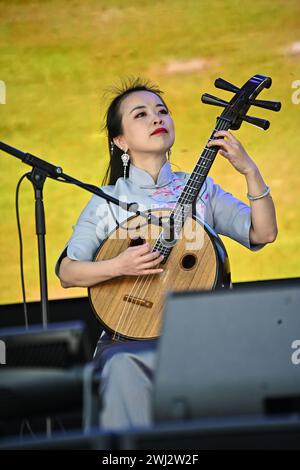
<point x="220" y="83"/>
<point x="206" y="98"/>
<point x="262" y="123"/>
<point x="272" y="105"/>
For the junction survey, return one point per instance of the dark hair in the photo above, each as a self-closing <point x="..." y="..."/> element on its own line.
<point x="113" y="123"/>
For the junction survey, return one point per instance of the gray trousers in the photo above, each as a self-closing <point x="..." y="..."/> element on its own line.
<point x="126" y="383"/>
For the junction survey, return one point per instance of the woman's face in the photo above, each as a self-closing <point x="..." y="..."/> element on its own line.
<point x="142" y="112"/>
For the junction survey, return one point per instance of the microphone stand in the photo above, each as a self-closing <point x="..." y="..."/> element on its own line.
<point x="42" y="170"/>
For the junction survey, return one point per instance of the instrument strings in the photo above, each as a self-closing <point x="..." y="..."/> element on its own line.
<point x="142" y="283"/>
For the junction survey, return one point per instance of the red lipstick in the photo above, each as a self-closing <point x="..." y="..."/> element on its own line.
<point x="159" y="130"/>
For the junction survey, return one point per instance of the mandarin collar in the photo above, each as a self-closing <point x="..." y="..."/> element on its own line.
<point x="145" y="181"/>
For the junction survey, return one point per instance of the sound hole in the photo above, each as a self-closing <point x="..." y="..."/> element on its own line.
<point x="137" y="241"/>
<point x="188" y="261"/>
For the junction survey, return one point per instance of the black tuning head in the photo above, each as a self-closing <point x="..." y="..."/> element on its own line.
<point x="272" y="105"/>
<point x="236" y="109"/>
<point x="262" y="123"/>
<point x="224" y="85"/>
<point x="206" y="98"/>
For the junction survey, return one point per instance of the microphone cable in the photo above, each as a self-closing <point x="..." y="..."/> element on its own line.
<point x="21" y="250"/>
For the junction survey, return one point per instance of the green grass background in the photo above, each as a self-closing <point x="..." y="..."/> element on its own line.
<point x="57" y="57"/>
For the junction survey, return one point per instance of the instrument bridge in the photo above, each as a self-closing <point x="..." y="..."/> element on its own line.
<point x="138" y="301"/>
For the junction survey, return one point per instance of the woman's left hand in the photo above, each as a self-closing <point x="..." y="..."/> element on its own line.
<point x="232" y="149"/>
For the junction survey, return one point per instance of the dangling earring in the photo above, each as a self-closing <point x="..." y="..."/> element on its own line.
<point x="111" y="147"/>
<point x="125" y="159"/>
<point x="169" y="154"/>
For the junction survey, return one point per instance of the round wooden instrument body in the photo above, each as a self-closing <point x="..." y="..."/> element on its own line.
<point x="132" y="306"/>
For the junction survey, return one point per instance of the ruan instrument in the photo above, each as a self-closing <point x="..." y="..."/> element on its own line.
<point x="194" y="256"/>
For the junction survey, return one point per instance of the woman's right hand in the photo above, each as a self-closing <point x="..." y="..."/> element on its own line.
<point x="138" y="260"/>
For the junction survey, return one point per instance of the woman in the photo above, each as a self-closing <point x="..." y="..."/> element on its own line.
<point x="140" y="171"/>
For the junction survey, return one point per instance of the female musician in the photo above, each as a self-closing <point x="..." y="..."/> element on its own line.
<point x="141" y="132"/>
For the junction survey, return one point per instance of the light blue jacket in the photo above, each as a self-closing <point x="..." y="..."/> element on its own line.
<point x="221" y="210"/>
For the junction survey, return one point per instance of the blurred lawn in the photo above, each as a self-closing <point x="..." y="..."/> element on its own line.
<point x="57" y="58"/>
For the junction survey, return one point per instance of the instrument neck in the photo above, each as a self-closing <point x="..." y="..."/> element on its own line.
<point x="184" y="205"/>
